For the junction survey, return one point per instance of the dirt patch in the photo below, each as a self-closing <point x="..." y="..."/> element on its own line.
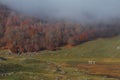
<point x="108" y="70"/>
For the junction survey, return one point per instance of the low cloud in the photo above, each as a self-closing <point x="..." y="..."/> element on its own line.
<point x="82" y="10"/>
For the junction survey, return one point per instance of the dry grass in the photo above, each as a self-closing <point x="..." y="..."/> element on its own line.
<point x="108" y="70"/>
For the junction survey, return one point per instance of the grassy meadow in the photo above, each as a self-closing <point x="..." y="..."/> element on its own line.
<point x="69" y="63"/>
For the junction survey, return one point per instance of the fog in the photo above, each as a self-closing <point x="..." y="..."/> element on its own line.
<point x="81" y="10"/>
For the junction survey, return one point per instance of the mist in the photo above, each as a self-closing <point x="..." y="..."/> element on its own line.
<point x="82" y="10"/>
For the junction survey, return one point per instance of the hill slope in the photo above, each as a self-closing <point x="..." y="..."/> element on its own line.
<point x="68" y="63"/>
<point x="99" y="48"/>
<point x="20" y="33"/>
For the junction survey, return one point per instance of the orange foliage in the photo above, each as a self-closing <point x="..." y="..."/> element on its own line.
<point x="27" y="34"/>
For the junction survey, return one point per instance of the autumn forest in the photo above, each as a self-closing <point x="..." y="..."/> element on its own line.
<point x="20" y="33"/>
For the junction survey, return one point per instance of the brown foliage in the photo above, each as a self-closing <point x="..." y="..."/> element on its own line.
<point x="27" y="34"/>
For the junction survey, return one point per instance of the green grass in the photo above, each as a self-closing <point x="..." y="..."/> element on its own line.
<point x="42" y="65"/>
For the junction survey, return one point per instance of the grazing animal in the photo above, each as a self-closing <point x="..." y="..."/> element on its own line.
<point x="91" y="62"/>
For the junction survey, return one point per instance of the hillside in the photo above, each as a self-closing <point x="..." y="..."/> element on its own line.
<point x="99" y="48"/>
<point x="54" y="40"/>
<point x="21" y="33"/>
<point x="68" y="63"/>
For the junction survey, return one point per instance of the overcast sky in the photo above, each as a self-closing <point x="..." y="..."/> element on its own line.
<point x="73" y="9"/>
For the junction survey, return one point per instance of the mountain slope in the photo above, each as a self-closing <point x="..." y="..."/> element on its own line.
<point x="20" y="33"/>
<point x="99" y="48"/>
<point x="68" y="63"/>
